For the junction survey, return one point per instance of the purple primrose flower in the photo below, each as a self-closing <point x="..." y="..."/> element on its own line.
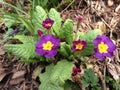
<point x="104" y="47"/>
<point x="78" y="45"/>
<point x="47" y="46"/>
<point x="47" y="23"/>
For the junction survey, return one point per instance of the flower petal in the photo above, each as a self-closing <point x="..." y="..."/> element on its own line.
<point x="98" y="55"/>
<point x="97" y="41"/>
<point x="110" y="54"/>
<point x="51" y="54"/>
<point x="40" y="52"/>
<point x="110" y="44"/>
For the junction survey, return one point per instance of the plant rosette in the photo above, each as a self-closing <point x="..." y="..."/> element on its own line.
<point x="51" y="41"/>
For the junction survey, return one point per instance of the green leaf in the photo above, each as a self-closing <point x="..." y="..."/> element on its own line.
<point x="69" y="85"/>
<point x="22" y="50"/>
<point x="96" y="88"/>
<point x="28" y="60"/>
<point x="61" y="72"/>
<point x="67" y="31"/>
<point x="54" y="15"/>
<point x="26" y="39"/>
<point x="37" y="17"/>
<point x="65" y="49"/>
<point x="88" y="37"/>
<point x="27" y="24"/>
<point x="45" y="80"/>
<point x="10" y="19"/>
<point x="89" y="78"/>
<point x="55" y="76"/>
<point x="116" y="86"/>
<point x="6" y="35"/>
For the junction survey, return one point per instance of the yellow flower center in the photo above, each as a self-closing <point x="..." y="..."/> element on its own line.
<point x="79" y="46"/>
<point x="102" y="47"/>
<point x="48" y="45"/>
<point x="49" y="24"/>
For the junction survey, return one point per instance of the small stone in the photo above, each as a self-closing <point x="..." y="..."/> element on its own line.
<point x="110" y="2"/>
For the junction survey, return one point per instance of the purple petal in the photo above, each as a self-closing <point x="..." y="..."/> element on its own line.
<point x="98" y="55"/>
<point x="56" y="42"/>
<point x="97" y="40"/>
<point x="109" y="54"/>
<point x="51" y="54"/>
<point x="45" y="38"/>
<point x="110" y="44"/>
<point x="40" y="52"/>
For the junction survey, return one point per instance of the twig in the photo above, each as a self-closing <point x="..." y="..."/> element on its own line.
<point x="79" y="3"/>
<point x="103" y="19"/>
<point x="67" y="6"/>
<point x="103" y="77"/>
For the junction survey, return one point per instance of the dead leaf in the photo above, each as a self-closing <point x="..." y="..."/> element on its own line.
<point x="117" y="9"/>
<point x="36" y="72"/>
<point x="117" y="69"/>
<point x="115" y="20"/>
<point x="2" y="75"/>
<point x="102" y="26"/>
<point x="2" y="51"/>
<point x="16" y="80"/>
<point x="18" y="74"/>
<point x="112" y="70"/>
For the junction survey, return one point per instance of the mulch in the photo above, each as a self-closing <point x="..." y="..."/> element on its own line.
<point x="98" y="14"/>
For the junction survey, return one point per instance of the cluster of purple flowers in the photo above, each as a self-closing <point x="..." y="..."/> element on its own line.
<point x="47" y="44"/>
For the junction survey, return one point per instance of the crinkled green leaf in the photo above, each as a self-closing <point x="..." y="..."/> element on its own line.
<point x="61" y="72"/>
<point x="45" y="80"/>
<point x="26" y="50"/>
<point x="54" y="15"/>
<point x="65" y="49"/>
<point x="10" y="19"/>
<point x="89" y="37"/>
<point x="89" y="78"/>
<point x="55" y="75"/>
<point x="26" y="39"/>
<point x="38" y="16"/>
<point x="67" y="31"/>
<point x="6" y="35"/>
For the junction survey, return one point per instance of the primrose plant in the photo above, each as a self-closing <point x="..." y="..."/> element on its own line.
<point x="56" y="43"/>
